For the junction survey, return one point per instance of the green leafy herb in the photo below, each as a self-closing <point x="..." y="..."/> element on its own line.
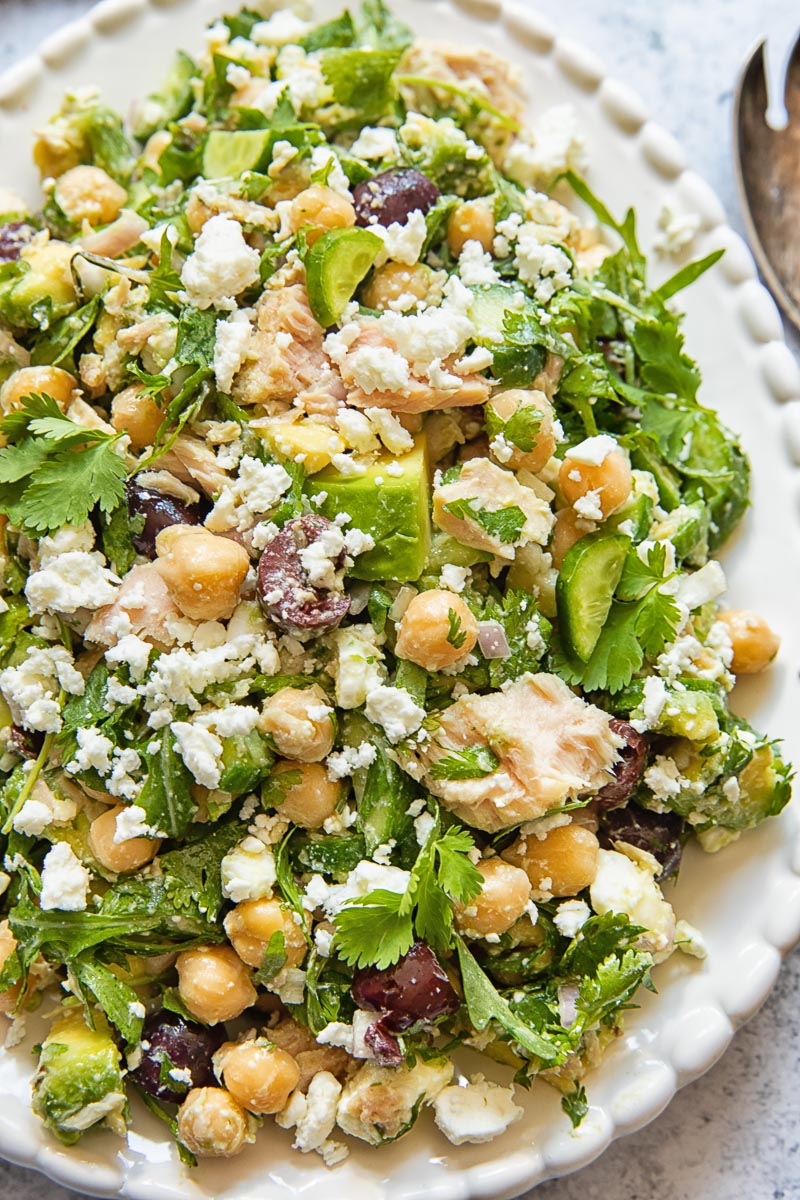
<point x="117" y="531"/>
<point x="485" y="1004"/>
<point x="575" y="1104"/>
<point x="274" y="959"/>
<point x="196" y="338"/>
<point x="117" y="999"/>
<point x="472" y="763"/>
<point x="456" y="636"/>
<point x="166" y="796"/>
<point x="687" y="275"/>
<point x="55" y="472"/>
<point x="527" y="633"/>
<point x="505" y="524"/>
<point x="521" y="429"/>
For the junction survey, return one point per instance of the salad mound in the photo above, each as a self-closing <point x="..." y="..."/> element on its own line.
<point x="363" y="672"/>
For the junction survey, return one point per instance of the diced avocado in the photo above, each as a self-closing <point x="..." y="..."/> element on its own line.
<point x="245" y="762"/>
<point x="42" y="289"/>
<point x="393" y="508"/>
<point x="691" y="715"/>
<point x="228" y="153"/>
<point x="316" y="443"/>
<point x="79" y="1080"/>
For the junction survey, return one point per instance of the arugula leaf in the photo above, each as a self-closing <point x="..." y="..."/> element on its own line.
<point x="158" y="1110"/>
<point x="274" y="959"/>
<point x="166" y="796"/>
<point x="164" y="281"/>
<point x="485" y="1004"/>
<point x="193" y="873"/>
<point x="626" y="229"/>
<point x="505" y="524"/>
<point x="575" y="1104"/>
<point x="117" y="999"/>
<point x="687" y="275"/>
<point x="472" y="763"/>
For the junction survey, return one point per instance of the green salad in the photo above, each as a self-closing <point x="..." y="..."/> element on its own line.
<point x="363" y="673"/>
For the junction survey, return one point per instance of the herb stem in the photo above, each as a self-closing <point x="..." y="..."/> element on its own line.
<point x="32" y="776"/>
<point x="440" y="85"/>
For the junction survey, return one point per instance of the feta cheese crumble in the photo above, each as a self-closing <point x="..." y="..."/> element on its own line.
<point x="65" y="880"/>
<point x="395" y="710"/>
<point x="475" y="1112"/>
<point x="221" y="267"/>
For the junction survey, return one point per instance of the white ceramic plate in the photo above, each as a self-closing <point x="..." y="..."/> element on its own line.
<point x="746" y="900"/>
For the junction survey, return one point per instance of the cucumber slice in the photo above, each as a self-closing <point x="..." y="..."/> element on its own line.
<point x="228" y="154"/>
<point x="585" y="588"/>
<point x="335" y="266"/>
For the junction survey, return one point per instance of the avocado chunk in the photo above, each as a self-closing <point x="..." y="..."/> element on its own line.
<point x="79" y="1080"/>
<point x="393" y="508"/>
<point x="39" y="288"/>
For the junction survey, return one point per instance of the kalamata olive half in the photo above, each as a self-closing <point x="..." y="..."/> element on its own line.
<point x="391" y="197"/>
<point x="284" y="589"/>
<point x="24" y="742"/>
<point x="384" y="1045"/>
<point x="628" y="771"/>
<point x="415" y="989"/>
<point x="170" y="1043"/>
<point x="14" y="237"/>
<point x="159" y="512"/>
<point x="658" y="833"/>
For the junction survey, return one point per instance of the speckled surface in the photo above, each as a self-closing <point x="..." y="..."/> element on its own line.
<point x="735" y="1134"/>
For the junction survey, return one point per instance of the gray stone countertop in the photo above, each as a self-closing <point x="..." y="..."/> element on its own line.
<point x="734" y="1134"/>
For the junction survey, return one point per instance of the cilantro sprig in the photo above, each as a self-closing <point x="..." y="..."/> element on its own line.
<point x="54" y="472"/>
<point x="379" y="928"/>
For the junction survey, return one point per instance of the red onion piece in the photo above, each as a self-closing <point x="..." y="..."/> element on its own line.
<point x="567" y="1004"/>
<point x="492" y="640"/>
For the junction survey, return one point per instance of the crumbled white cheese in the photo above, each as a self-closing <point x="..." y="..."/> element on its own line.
<point x="323" y="158"/>
<point x="403" y="243"/>
<point x="70" y="581"/>
<point x="65" y="880"/>
<point x="231" y="347"/>
<point x="68" y="539"/>
<point x="248" y="871"/>
<point x="653" y="700"/>
<point x="356" y="430"/>
<point x="201" y="751"/>
<point x="546" y="268"/>
<point x="571" y="916"/>
<point x="375" y="142"/>
<point x="677" y="231"/>
<point x="589" y="507"/>
<point x="689" y="940"/>
<point x="320" y="559"/>
<point x="32" y="688"/>
<point x="385" y="425"/>
<point x="475" y="1112"/>
<point x="624" y="886"/>
<point x="701" y="587"/>
<point x="221" y="267"/>
<point x="366" y="877"/>
<point x="475" y="266"/>
<point x="379" y="369"/>
<point x="395" y="710"/>
<point x="313" y="1115"/>
<point x="121" y="781"/>
<point x="593" y="450"/>
<point x="357" y="666"/>
<point x="282" y="27"/>
<point x="93" y="753"/>
<point x="454" y="578"/>
<point x="132" y="650"/>
<point x="664" y="778"/>
<point x="257" y="490"/>
<point x="351" y="759"/>
<point x="131" y="823"/>
<point x="555" y="146"/>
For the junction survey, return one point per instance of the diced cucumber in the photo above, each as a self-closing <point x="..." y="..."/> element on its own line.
<point x="514" y="365"/>
<point x="335" y="266"/>
<point x="585" y="588"/>
<point x="229" y="153"/>
<point x="639" y="511"/>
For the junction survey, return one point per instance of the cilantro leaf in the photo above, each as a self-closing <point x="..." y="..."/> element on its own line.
<point x="472" y="763"/>
<point x="485" y="1004"/>
<point x="664" y="366"/>
<point x="638" y="576"/>
<point x="370" y="930"/>
<point x="609" y="990"/>
<point x="457" y="874"/>
<point x="274" y="959"/>
<point x="527" y="633"/>
<point x="575" y="1104"/>
<point x="196" y="338"/>
<point x="505" y="524"/>
<point x="521" y="428"/>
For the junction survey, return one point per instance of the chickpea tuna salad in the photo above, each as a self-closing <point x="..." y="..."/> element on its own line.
<point x="363" y="672"/>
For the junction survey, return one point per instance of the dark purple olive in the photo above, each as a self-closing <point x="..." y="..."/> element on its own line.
<point x="159" y="513"/>
<point x="628" y="771"/>
<point x="284" y="590"/>
<point x="384" y="1045"/>
<point x="14" y="237"/>
<point x="24" y="742"/>
<point x="170" y="1043"/>
<point x="415" y="989"/>
<point x="660" y="834"/>
<point x="391" y="197"/>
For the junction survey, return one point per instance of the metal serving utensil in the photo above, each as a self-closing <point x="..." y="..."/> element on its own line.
<point x="768" y="174"/>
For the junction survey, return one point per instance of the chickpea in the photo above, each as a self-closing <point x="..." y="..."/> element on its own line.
<point x="259" y="1075"/>
<point x="569" y="528"/>
<point x="8" y="944"/>
<point x="323" y="209"/>
<point x="214" y="983"/>
<point x="505" y="896"/>
<point x="251" y="924"/>
<point x="89" y="194"/>
<point x="300" y="721"/>
<point x="471" y="222"/>
<point x="311" y="800"/>
<point x="754" y="643"/>
<point x="436" y="631"/>
<point x="119" y="856"/>
<point x="203" y="573"/>
<point x="394" y="280"/>
<point x="506" y="405"/>
<point x="212" y="1124"/>
<point x="137" y="414"/>
<point x="37" y="381"/>
<point x="611" y="480"/>
<point x="563" y="862"/>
